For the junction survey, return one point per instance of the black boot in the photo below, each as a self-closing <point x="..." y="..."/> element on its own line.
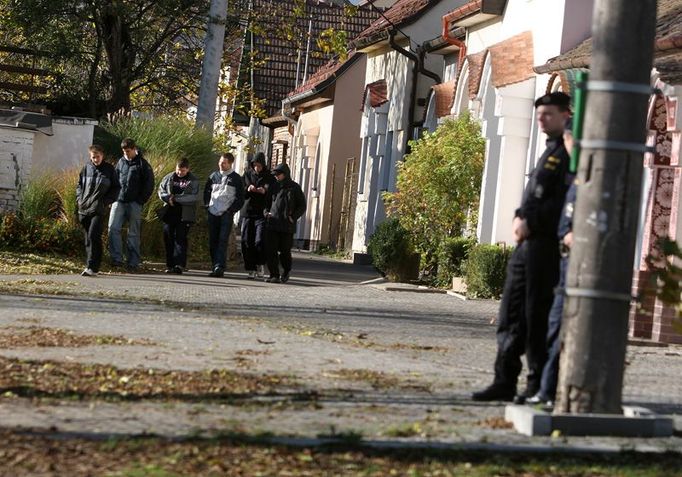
<point x="495" y="392"/>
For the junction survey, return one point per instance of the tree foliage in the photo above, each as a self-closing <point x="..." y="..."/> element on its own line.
<point x="438" y="184"/>
<point x="106" y="55"/>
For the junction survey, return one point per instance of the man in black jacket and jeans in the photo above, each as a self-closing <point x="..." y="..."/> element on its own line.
<point x="97" y="189"/>
<point x="286" y="204"/>
<point x="533" y="269"/>
<point x="137" y="185"/>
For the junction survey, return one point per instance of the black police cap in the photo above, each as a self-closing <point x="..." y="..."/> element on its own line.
<point x="557" y="99"/>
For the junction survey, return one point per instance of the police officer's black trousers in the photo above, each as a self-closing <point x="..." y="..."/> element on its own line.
<point x="532" y="274"/>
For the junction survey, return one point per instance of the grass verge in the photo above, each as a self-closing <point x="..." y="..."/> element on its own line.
<point x="32" y="454"/>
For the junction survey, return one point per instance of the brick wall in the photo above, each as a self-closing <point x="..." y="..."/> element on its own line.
<point x="512" y="60"/>
<point x="281" y="145"/>
<point x="16" y="151"/>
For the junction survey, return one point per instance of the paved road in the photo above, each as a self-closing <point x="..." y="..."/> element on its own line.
<point x="435" y="347"/>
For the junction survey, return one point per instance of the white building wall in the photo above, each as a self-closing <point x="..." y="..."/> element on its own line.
<point x="513" y="149"/>
<point x="67" y="148"/>
<point x="16" y="151"/>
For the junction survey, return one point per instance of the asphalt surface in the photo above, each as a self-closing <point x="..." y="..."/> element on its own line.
<point x="326" y="321"/>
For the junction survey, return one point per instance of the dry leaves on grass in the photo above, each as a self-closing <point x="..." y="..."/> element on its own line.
<point x="378" y="379"/>
<point x="32" y="286"/>
<point x="88" y="381"/>
<point x="360" y="340"/>
<point x="496" y="423"/>
<point x="28" y="263"/>
<point x="25" y="454"/>
<point x="19" y="337"/>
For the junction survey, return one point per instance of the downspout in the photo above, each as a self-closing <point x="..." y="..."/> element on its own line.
<point x="453" y="40"/>
<point x="415" y="76"/>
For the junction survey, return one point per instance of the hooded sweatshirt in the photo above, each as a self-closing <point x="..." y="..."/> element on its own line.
<point x="255" y="202"/>
<point x="286" y="204"/>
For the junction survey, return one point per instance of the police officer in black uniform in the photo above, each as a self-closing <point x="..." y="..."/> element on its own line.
<point x="533" y="269"/>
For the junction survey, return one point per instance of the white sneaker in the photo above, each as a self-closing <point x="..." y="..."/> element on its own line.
<point x="260" y="271"/>
<point x="88" y="272"/>
<point x="252" y="274"/>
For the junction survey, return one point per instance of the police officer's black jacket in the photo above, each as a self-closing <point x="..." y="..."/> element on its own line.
<point x="544" y="196"/>
<point x="286" y="203"/>
<point x="136" y="178"/>
<point x="97" y="188"/>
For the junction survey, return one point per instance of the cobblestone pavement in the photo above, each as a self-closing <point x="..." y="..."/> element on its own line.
<point x="433" y="350"/>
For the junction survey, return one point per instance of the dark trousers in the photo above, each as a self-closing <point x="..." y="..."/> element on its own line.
<point x="175" y="239"/>
<point x="219" y="227"/>
<point x="278" y="245"/>
<point x="253" y="242"/>
<point x="532" y="274"/>
<point x="92" y="228"/>
<point x="550" y="373"/>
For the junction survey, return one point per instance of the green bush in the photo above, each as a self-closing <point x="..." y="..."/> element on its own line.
<point x="452" y="256"/>
<point x="438" y="186"/>
<point x="40" y="235"/>
<point x="485" y="270"/>
<point x="390" y="248"/>
<point x="38" y="199"/>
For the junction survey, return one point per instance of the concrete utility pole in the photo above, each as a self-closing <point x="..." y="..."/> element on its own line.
<point x="210" y="68"/>
<point x="605" y="221"/>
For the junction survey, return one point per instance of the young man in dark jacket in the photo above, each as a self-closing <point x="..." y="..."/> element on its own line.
<point x="97" y="189"/>
<point x="137" y="185"/>
<point x="257" y="181"/>
<point x="223" y="197"/>
<point x="179" y="191"/>
<point x="286" y="204"/>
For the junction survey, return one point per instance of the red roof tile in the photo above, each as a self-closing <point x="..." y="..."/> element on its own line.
<point x="401" y="13"/>
<point x="668" y="37"/>
<point x="378" y="94"/>
<point x="322" y="74"/>
<point x="445" y="97"/>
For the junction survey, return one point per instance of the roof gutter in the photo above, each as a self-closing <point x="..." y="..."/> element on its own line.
<point x="447" y="20"/>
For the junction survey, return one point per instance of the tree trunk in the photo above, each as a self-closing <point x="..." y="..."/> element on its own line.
<point x="121" y="55"/>
<point x="210" y="68"/>
<point x="606" y="216"/>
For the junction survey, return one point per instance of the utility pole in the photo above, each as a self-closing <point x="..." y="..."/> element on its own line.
<point x="210" y="68"/>
<point x="606" y="213"/>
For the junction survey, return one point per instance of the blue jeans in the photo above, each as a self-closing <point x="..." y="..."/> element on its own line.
<point x="121" y="212"/>
<point x="219" y="227"/>
<point x="550" y="373"/>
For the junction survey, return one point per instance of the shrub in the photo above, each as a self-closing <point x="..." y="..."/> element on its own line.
<point x="438" y="185"/>
<point x="38" y="199"/>
<point x="485" y="270"/>
<point x="452" y="256"/>
<point x="390" y="248"/>
<point x="40" y="235"/>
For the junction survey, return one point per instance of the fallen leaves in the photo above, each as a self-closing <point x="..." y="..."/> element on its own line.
<point x="20" y="337"/>
<point x="377" y="379"/>
<point x="92" y="381"/>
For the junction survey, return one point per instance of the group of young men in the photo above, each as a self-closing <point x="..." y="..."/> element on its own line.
<point x="530" y="311"/>
<point x="270" y="205"/>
